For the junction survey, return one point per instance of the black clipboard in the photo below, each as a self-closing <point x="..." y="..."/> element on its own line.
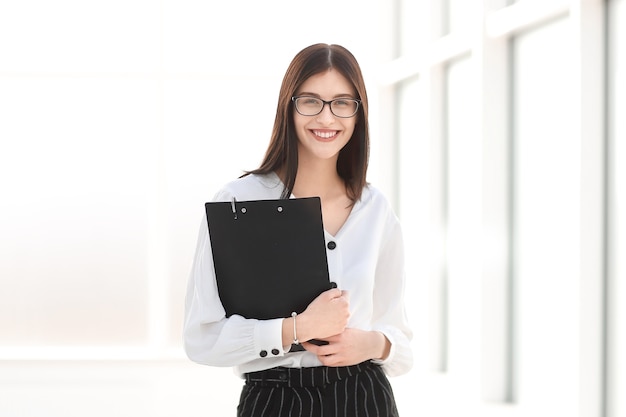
<point x="269" y="255"/>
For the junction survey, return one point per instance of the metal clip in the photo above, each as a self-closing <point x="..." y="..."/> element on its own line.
<point x="232" y="205"/>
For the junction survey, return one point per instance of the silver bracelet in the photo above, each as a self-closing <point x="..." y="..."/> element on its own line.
<point x="295" y="335"/>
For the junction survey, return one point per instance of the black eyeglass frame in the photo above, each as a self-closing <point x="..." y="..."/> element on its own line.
<point x="324" y="103"/>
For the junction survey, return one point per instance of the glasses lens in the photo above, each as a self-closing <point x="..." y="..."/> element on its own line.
<point x="344" y="107"/>
<point x="309" y="106"/>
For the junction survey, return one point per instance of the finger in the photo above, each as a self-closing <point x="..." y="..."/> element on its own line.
<point x="319" y="350"/>
<point x="327" y="350"/>
<point x="330" y="360"/>
<point x="330" y="294"/>
<point x="310" y="347"/>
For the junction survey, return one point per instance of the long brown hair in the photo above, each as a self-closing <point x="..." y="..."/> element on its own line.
<point x="282" y="152"/>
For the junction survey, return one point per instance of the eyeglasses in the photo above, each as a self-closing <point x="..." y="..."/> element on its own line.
<point x="340" y="107"/>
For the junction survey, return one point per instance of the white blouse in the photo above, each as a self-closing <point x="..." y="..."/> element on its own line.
<point x="367" y="259"/>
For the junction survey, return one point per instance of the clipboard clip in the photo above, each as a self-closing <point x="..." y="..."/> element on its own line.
<point x="232" y="205"/>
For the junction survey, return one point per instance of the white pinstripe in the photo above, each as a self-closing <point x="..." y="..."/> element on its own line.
<point x="269" y="400"/>
<point x="373" y="390"/>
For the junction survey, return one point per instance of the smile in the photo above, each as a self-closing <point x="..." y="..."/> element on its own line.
<point x="325" y="134"/>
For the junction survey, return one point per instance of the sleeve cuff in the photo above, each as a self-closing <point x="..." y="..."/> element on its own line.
<point x="268" y="338"/>
<point x="392" y="350"/>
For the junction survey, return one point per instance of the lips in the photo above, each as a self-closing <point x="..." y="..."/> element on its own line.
<point x="325" y="134"/>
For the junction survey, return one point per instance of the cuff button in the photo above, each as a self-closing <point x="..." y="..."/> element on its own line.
<point x="275" y="352"/>
<point x="263" y="353"/>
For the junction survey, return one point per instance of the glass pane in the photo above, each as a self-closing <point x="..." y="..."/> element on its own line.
<point x="546" y="216"/>
<point x="414" y="164"/>
<point x="76" y="209"/>
<point x="464" y="196"/>
<point x="412" y="26"/>
<point x="457" y="14"/>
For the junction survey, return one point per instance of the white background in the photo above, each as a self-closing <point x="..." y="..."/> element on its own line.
<point x="495" y="133"/>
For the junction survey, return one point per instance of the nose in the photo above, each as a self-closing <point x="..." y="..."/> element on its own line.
<point x="326" y="116"/>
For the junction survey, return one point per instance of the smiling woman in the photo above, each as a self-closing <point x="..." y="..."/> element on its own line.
<point x="315" y="152"/>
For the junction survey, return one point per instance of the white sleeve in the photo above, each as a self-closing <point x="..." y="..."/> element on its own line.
<point x="389" y="310"/>
<point x="209" y="337"/>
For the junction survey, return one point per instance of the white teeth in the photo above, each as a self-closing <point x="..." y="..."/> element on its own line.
<point x="325" y="135"/>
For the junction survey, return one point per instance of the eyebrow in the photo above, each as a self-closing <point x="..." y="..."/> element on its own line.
<point x="343" y="95"/>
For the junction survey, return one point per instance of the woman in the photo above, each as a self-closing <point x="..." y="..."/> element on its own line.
<point x="319" y="147"/>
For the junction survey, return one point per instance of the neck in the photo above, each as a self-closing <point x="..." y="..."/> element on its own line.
<point x="318" y="178"/>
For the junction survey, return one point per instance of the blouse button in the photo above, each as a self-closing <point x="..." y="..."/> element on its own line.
<point x="263" y="353"/>
<point x="275" y="352"/>
<point x="331" y="245"/>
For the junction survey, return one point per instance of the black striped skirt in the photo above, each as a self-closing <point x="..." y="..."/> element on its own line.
<point x="351" y="391"/>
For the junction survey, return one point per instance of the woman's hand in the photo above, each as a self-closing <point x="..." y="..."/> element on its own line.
<point x="327" y="315"/>
<point x="351" y="347"/>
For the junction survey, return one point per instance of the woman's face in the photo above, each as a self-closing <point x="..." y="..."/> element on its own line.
<point x="324" y="135"/>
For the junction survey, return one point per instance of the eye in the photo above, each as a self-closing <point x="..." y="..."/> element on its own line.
<point x="309" y="101"/>
<point x="343" y="102"/>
